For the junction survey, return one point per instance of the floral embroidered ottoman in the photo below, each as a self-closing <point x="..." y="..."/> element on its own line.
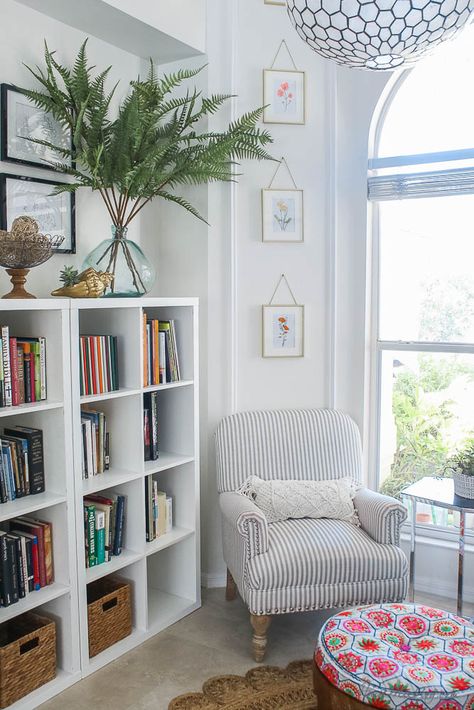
<point x="395" y="656"/>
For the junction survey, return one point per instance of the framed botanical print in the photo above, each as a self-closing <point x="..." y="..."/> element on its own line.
<point x="282" y="215"/>
<point x="55" y="213"/>
<point x="22" y="124"/>
<point x="283" y="330"/>
<point x="284" y="96"/>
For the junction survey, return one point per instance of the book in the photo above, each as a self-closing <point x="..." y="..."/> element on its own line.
<point x="5" y="572"/>
<point x="169" y="514"/>
<point x="90" y="535"/>
<point x="20" y="374"/>
<point x="5" y="334"/>
<point x="100" y="536"/>
<point x="27" y="525"/>
<point x="35" y="456"/>
<point x="33" y="558"/>
<point x="99" y="364"/>
<point x="12" y="557"/>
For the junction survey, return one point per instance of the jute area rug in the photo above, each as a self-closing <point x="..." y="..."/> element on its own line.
<point x="262" y="688"/>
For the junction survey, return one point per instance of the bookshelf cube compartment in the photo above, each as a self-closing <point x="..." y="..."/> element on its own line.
<point x="133" y="530"/>
<point x="175" y="424"/>
<point x="179" y="484"/>
<point x="54" y="326"/>
<point x="124" y="323"/>
<point x="57" y="467"/>
<point x="123" y="417"/>
<point x="172" y="583"/>
<point x="184" y="325"/>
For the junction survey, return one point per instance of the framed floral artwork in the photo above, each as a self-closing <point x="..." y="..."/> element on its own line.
<point x="282" y="215"/>
<point x="283" y="331"/>
<point x="284" y="96"/>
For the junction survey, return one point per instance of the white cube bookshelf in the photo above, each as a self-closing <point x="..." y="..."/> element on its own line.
<point x="164" y="574"/>
<point x="49" y="318"/>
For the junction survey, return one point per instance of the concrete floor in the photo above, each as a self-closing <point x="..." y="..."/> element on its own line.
<point x="215" y="640"/>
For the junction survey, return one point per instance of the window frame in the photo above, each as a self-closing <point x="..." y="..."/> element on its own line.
<point x="377" y="345"/>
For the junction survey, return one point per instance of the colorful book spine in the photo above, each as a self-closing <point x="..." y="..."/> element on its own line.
<point x="6" y="365"/>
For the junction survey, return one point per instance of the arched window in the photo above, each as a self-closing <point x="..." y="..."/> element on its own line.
<point x="421" y="185"/>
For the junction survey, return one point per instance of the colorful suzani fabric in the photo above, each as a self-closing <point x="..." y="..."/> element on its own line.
<point x="400" y="657"/>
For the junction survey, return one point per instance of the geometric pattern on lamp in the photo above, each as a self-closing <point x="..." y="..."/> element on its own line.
<point x="377" y="34"/>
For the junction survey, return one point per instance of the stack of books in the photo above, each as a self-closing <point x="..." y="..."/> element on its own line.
<point x="150" y="426"/>
<point x="95" y="443"/>
<point x="99" y="364"/>
<point x="160" y="352"/>
<point x="21" y="463"/>
<point x="104" y="522"/>
<point x="22" y="369"/>
<point x="158" y="510"/>
<point x="26" y="558"/>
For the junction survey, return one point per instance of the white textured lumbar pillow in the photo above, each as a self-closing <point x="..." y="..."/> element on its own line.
<point x="281" y="500"/>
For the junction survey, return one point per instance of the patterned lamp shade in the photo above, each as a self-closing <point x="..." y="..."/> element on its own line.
<point x="377" y="34"/>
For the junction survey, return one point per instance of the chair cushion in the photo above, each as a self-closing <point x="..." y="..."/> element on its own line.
<point x="322" y="552"/>
<point x="400" y="657"/>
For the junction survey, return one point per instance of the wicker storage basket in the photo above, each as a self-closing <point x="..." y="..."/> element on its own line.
<point x="27" y="656"/>
<point x="109" y="613"/>
<point x="463" y="485"/>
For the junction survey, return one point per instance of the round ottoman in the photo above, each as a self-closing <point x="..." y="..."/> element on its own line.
<point x="400" y="656"/>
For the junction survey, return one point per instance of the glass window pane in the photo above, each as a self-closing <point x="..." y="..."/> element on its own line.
<point x="426" y="416"/>
<point x="433" y="108"/>
<point x="426" y="269"/>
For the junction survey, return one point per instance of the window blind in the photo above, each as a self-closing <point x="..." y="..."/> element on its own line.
<point x="442" y="183"/>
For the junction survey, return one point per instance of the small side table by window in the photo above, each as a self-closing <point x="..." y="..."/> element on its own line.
<point x="438" y="492"/>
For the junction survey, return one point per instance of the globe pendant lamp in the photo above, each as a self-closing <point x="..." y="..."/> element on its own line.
<point x="377" y="34"/>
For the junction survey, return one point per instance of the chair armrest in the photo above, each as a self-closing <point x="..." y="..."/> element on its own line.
<point x="242" y="514"/>
<point x="380" y="516"/>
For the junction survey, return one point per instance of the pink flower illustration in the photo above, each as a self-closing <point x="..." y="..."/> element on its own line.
<point x="285" y="95"/>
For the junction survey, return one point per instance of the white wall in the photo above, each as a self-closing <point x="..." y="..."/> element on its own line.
<point x="20" y="44"/>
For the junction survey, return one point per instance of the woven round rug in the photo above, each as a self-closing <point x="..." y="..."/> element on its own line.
<point x="262" y="688"/>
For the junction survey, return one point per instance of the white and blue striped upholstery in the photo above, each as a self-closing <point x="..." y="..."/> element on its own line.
<point x="297" y="565"/>
<point x="298" y="444"/>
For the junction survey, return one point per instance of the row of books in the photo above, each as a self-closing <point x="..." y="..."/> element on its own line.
<point x="26" y="558"/>
<point x="160" y="352"/>
<point x="150" y="426"/>
<point x="99" y="364"/>
<point x="158" y="510"/>
<point x="95" y="443"/>
<point x="22" y="369"/>
<point x="21" y="462"/>
<point x="104" y="523"/>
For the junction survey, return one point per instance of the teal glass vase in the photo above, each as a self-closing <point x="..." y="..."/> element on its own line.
<point x="134" y="275"/>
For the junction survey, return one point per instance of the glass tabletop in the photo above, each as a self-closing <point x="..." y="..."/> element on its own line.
<point x="440" y="492"/>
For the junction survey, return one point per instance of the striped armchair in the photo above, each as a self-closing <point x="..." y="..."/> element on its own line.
<point x="299" y="565"/>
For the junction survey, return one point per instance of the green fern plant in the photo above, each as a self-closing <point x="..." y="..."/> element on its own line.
<point x="152" y="147"/>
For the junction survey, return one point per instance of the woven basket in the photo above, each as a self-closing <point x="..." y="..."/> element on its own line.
<point x="109" y="613"/>
<point x="27" y="656"/>
<point x="463" y="485"/>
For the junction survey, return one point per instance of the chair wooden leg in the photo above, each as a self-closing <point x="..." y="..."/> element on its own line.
<point x="231" y="588"/>
<point x="260" y="626"/>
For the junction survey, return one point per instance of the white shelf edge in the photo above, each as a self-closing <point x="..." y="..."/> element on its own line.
<point x="108" y="479"/>
<point x="33" y="600"/>
<point x="42" y="406"/>
<point x="115" y="394"/>
<point x="127" y="557"/>
<point x="166" y="461"/>
<point x="38" y="304"/>
<point x="161" y="543"/>
<point x="29" y="504"/>
<point x="168" y="386"/>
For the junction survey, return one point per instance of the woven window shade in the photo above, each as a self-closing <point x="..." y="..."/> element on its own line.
<point x="443" y="183"/>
